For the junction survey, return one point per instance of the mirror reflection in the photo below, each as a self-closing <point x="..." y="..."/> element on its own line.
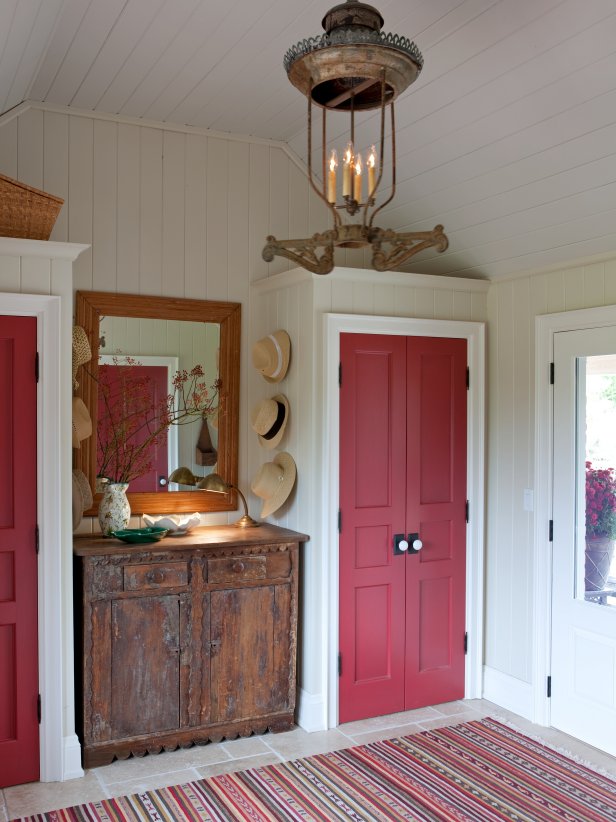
<point x="133" y="354"/>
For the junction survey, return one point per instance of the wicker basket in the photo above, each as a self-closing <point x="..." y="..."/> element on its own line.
<point x="25" y="211"/>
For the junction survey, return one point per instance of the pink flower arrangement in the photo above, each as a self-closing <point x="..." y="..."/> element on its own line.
<point x="600" y="502"/>
<point x="129" y="425"/>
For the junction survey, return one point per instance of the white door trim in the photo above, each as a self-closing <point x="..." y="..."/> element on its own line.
<point x="546" y="326"/>
<point x="474" y="333"/>
<point x="51" y="602"/>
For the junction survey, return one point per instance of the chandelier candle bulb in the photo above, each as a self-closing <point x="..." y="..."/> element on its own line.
<point x="331" y="177"/>
<point x="357" y="179"/>
<point x="371" y="163"/>
<point x="346" y="170"/>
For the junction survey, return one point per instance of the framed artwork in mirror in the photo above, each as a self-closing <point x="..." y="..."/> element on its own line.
<point x="174" y="336"/>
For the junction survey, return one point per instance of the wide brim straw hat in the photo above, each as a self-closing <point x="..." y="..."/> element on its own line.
<point x="82" y="422"/>
<point x="271" y="354"/>
<point x="82" y="353"/>
<point x="274" y="482"/>
<point x="269" y="419"/>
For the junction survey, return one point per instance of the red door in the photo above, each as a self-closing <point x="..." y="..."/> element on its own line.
<point x="146" y="389"/>
<point x="19" y="740"/>
<point x="402" y="476"/>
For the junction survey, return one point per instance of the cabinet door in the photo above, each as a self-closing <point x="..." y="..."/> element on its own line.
<point x="250" y="652"/>
<point x="145" y="667"/>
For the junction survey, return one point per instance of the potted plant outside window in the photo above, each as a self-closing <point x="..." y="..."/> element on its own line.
<point x="600" y="526"/>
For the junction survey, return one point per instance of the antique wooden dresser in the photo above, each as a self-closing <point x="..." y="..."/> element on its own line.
<point x="185" y="640"/>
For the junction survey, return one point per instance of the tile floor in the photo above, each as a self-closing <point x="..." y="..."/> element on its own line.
<point x="150" y="772"/>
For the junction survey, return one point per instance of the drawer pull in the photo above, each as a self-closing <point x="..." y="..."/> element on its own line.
<point x="238" y="567"/>
<point x="155" y="577"/>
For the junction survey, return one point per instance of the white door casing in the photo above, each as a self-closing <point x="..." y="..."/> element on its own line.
<point x="546" y="328"/>
<point x="474" y="333"/>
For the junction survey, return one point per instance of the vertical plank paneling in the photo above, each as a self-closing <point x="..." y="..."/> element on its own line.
<point x="479" y="307"/>
<point x="8" y="148"/>
<point x="30" y="148"/>
<point x="574" y="288"/>
<point x="424" y="302"/>
<point x="594" y="285"/>
<point x="10" y="274"/>
<point x="259" y="201"/>
<point x="521" y="547"/>
<point x="462" y="305"/>
<point x="299" y="196"/>
<point x="443" y="304"/>
<point x="405" y="301"/>
<point x="174" y="155"/>
<point x="556" y="292"/>
<point x="217" y="220"/>
<point x="105" y="198"/>
<point x="55" y="167"/>
<point x="128" y="209"/>
<point x="195" y="217"/>
<point x="363" y="298"/>
<point x="279" y="201"/>
<point x="384" y="301"/>
<point x="151" y="209"/>
<point x="80" y="196"/>
<point x="239" y="221"/>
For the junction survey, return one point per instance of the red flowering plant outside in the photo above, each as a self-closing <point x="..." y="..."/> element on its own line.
<point x="129" y="425"/>
<point x="600" y="502"/>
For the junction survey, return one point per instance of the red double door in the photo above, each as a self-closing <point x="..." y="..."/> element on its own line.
<point x="19" y="730"/>
<point x="402" y="482"/>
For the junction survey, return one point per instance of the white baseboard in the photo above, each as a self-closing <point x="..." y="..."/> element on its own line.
<point x="508" y="692"/>
<point x="311" y="713"/>
<point x="71" y="766"/>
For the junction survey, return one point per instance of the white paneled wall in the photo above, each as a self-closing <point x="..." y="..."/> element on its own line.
<point x="512" y="308"/>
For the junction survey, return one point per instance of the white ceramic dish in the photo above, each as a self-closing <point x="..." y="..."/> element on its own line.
<point x="176" y="524"/>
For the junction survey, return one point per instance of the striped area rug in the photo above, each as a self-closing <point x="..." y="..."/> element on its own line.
<point x="476" y="771"/>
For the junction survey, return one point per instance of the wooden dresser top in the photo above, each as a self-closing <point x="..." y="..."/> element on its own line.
<point x="208" y="536"/>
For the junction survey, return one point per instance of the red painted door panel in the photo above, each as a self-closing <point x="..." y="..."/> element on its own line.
<point x="19" y="742"/>
<point x="402" y="471"/>
<point x="152" y="381"/>
<point x="436" y="510"/>
<point x="372" y="500"/>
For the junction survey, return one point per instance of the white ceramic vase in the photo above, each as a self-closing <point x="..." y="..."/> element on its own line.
<point x="114" y="508"/>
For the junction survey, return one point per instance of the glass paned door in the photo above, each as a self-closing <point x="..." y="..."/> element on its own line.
<point x="583" y="659"/>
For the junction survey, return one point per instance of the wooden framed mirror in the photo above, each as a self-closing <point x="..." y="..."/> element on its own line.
<point x="166" y="323"/>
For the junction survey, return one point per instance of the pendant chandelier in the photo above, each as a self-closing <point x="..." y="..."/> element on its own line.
<point x="354" y="68"/>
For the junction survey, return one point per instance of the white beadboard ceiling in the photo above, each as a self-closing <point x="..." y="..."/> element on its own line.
<point x="508" y="137"/>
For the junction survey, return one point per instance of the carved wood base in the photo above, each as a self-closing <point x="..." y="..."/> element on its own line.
<point x="104" y="753"/>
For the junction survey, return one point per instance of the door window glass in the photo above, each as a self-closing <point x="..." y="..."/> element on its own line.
<point x="596" y="480"/>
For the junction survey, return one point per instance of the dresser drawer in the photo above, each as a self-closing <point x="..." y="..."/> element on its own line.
<point x="236" y="569"/>
<point x="156" y="575"/>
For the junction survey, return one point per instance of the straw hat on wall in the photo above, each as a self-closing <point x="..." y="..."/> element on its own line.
<point x="274" y="482"/>
<point x="269" y="420"/>
<point x="271" y="354"/>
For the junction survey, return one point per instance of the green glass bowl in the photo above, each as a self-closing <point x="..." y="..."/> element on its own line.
<point x="140" y="534"/>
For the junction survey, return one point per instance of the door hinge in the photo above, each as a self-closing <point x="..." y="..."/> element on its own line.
<point x="37" y="541"/>
<point x="467" y="511"/>
<point x="549" y="688"/>
<point x="339" y="664"/>
<point x="466" y="642"/>
<point x="38" y="708"/>
<point x="551" y="531"/>
<point x="339" y="521"/>
<point x="551" y="373"/>
<point x="36" y="366"/>
<point x="468" y="378"/>
<point x="339" y="374"/>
